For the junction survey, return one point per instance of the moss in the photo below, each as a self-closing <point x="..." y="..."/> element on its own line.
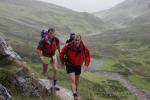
<point x="6" y="77"/>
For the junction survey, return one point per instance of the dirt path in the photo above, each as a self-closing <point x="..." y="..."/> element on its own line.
<point x="141" y="95"/>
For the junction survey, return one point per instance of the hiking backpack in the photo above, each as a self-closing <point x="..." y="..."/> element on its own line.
<point x="44" y="33"/>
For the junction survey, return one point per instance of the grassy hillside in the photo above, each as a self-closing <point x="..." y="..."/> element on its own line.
<point x="22" y="21"/>
<point x="125" y="51"/>
<point x="25" y="16"/>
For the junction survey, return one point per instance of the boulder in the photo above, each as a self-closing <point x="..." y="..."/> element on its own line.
<point x="7" y="54"/>
<point x="4" y="94"/>
<point x="31" y="86"/>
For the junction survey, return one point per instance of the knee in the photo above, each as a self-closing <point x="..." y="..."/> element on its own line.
<point x="73" y="81"/>
<point x="55" y="62"/>
<point x="55" y="69"/>
<point x="77" y="79"/>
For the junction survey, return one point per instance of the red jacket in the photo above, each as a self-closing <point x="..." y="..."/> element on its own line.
<point x="75" y="56"/>
<point x="48" y="49"/>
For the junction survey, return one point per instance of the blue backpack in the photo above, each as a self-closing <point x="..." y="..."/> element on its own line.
<point x="43" y="34"/>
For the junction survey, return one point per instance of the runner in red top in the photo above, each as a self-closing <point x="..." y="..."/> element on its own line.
<point x="73" y="55"/>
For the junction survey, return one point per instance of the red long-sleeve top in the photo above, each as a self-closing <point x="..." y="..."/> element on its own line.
<point x="75" y="56"/>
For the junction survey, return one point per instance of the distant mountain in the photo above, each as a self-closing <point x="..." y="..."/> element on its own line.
<point x="129" y="12"/>
<point x="30" y="16"/>
<point x="22" y="20"/>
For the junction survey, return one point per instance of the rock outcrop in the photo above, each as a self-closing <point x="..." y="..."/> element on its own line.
<point x="31" y="86"/>
<point x="7" y="54"/>
<point x="4" y="94"/>
<point x="21" y="79"/>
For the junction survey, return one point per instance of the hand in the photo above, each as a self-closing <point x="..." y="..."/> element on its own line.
<point x="85" y="68"/>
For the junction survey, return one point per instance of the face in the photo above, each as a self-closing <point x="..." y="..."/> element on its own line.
<point x="51" y="34"/>
<point x="77" y="40"/>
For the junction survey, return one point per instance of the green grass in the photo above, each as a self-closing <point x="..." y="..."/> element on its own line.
<point x="108" y="65"/>
<point x="125" y="51"/>
<point x="18" y="97"/>
<point x="140" y="82"/>
<point x="93" y="77"/>
<point x="109" y="84"/>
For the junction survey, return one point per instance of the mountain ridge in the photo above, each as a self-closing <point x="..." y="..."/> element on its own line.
<point x="122" y="14"/>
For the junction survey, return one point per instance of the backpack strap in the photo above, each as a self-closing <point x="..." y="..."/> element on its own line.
<point x="83" y="49"/>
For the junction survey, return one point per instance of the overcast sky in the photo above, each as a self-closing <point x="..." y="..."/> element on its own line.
<point x="86" y="5"/>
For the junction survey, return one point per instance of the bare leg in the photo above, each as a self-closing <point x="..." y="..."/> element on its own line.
<point x="72" y="80"/>
<point x="45" y="69"/>
<point x="55" y="68"/>
<point x="55" y="75"/>
<point x="77" y="81"/>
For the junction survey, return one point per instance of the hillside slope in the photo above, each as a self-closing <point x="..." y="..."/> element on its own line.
<point x="26" y="16"/>
<point x="129" y="12"/>
<point x="22" y="20"/>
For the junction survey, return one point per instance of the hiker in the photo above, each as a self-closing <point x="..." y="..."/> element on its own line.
<point x="47" y="51"/>
<point x="73" y="55"/>
<point x="72" y="36"/>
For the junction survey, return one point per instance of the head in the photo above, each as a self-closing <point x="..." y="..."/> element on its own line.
<point x="77" y="39"/>
<point x="72" y="36"/>
<point x="51" y="32"/>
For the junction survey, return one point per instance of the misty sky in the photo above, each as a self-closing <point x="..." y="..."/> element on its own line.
<point x="85" y="5"/>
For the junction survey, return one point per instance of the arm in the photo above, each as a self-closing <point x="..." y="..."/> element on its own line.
<point x="58" y="47"/>
<point x="63" y="53"/>
<point x="41" y="56"/>
<point x="39" y="48"/>
<point x="87" y="56"/>
<point x="40" y="53"/>
<point x="58" y="44"/>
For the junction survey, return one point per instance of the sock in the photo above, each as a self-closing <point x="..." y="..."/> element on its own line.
<point x="55" y="83"/>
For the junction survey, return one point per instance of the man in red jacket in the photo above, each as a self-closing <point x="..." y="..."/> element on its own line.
<point x="47" y="51"/>
<point x="74" y="55"/>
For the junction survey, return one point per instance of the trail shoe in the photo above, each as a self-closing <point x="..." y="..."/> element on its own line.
<point x="77" y="92"/>
<point x="75" y="96"/>
<point x="56" y="88"/>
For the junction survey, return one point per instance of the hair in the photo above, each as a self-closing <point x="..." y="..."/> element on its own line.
<point x="51" y="30"/>
<point x="78" y="36"/>
<point x="72" y="35"/>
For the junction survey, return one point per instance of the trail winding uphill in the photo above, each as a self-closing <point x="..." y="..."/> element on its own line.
<point x="141" y="95"/>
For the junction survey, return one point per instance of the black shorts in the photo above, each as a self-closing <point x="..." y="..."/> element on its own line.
<point x="73" y="69"/>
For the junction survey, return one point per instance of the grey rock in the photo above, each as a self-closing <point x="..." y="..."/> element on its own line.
<point x="24" y="82"/>
<point x="7" y="53"/>
<point x="45" y="83"/>
<point x="4" y="95"/>
<point x="30" y="86"/>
